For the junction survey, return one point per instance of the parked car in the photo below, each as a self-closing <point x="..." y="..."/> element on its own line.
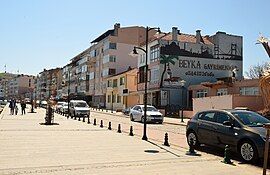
<point x="242" y="130"/>
<point x="58" y="106"/>
<point x="44" y="104"/>
<point x="64" y="108"/>
<point x="153" y="115"/>
<point x="79" y="108"/>
<point x="126" y="111"/>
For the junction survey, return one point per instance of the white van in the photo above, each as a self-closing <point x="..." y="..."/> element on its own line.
<point x="79" y="108"/>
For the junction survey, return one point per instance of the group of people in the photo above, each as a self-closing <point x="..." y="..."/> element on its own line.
<point x="14" y="108"/>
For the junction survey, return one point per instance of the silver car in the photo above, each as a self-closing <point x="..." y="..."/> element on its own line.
<point x="79" y="108"/>
<point x="152" y="114"/>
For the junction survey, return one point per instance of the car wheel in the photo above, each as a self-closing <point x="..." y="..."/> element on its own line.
<point x="248" y="151"/>
<point x="192" y="135"/>
<point x="131" y="117"/>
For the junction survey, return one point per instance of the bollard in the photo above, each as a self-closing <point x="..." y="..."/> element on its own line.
<point x="102" y="109"/>
<point x="119" y="128"/>
<point x="191" y="147"/>
<point x="101" y="123"/>
<point x="110" y="126"/>
<point x="88" y="118"/>
<point x="95" y="122"/>
<point x="166" y="142"/>
<point x="83" y="118"/>
<point x="67" y="116"/>
<point x="79" y="118"/>
<point x="227" y="156"/>
<point x="131" y="131"/>
<point x="75" y="118"/>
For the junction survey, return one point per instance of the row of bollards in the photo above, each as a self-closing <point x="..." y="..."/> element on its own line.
<point x="191" y="151"/>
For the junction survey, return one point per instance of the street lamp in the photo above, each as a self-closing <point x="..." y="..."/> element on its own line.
<point x="147" y="29"/>
<point x="182" y="83"/>
<point x="68" y="92"/>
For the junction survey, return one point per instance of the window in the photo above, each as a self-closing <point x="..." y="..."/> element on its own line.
<point x="222" y="91"/>
<point x="122" y="81"/>
<point x="109" y="58"/>
<point x="154" y="53"/>
<point x="115" y="83"/>
<point x="141" y="74"/>
<point x="118" y="99"/>
<point x="142" y="58"/>
<point x="201" y="93"/>
<point x="109" y="83"/>
<point x="222" y="117"/>
<point x="109" y="99"/>
<point x="112" y="46"/>
<point x="91" y="75"/>
<point x="208" y="116"/>
<point x="112" y="71"/>
<point x="154" y="74"/>
<point x="93" y="53"/>
<point x="113" y="98"/>
<point x="249" y="90"/>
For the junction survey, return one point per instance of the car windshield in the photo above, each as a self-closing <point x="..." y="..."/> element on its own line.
<point x="150" y="108"/>
<point x="250" y="118"/>
<point x="81" y="104"/>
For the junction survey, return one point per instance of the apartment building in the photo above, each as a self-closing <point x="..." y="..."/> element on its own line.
<point x="48" y="83"/>
<point x="4" y="84"/>
<point x="21" y="86"/>
<point x="108" y="55"/>
<point x="178" y="60"/>
<point x="121" y="90"/>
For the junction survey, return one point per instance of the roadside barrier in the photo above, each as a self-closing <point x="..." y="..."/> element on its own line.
<point x="101" y="123"/>
<point x="83" y="118"/>
<point x="166" y="140"/>
<point x="131" y="131"/>
<point x="88" y="119"/>
<point x="95" y="122"/>
<point x="119" y="128"/>
<point x="110" y="126"/>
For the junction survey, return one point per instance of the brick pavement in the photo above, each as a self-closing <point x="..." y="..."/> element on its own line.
<point x="74" y="147"/>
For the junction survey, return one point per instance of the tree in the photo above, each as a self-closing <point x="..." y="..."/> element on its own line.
<point x="256" y="71"/>
<point x="166" y="60"/>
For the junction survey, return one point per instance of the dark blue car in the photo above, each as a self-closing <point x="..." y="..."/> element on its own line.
<point x="242" y="130"/>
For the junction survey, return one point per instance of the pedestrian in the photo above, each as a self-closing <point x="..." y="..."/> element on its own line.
<point x="16" y="109"/>
<point x="11" y="106"/>
<point x="23" y="106"/>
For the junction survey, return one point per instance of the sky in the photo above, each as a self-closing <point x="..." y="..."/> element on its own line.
<point x="38" y="34"/>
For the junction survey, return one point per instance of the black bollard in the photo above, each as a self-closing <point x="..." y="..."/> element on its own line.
<point x="110" y="126"/>
<point x="131" y="131"/>
<point x="191" y="146"/>
<point x="67" y="116"/>
<point x="79" y="118"/>
<point x="227" y="156"/>
<point x="88" y="118"/>
<point x="166" y="140"/>
<point x="119" y="128"/>
<point x="101" y="123"/>
<point x="83" y="118"/>
<point x="95" y="122"/>
<point x="75" y="118"/>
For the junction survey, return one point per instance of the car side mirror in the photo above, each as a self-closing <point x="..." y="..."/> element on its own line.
<point x="228" y="123"/>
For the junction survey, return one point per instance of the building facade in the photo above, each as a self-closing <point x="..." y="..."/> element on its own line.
<point x="121" y="90"/>
<point x="178" y="60"/>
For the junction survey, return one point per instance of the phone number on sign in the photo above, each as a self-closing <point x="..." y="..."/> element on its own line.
<point x="199" y="73"/>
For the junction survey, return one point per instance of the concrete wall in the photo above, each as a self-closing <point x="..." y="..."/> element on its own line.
<point x="254" y="103"/>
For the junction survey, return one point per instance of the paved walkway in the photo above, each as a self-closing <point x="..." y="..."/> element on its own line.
<point x="73" y="147"/>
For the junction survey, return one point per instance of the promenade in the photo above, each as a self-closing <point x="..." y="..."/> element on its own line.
<point x="75" y="147"/>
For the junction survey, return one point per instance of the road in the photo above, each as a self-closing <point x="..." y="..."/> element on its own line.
<point x="155" y="132"/>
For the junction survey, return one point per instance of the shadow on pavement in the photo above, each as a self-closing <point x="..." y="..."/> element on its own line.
<point x="49" y="124"/>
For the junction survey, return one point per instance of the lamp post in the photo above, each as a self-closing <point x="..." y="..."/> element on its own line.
<point x="112" y="102"/>
<point x="147" y="29"/>
<point x="68" y="99"/>
<point x="182" y="83"/>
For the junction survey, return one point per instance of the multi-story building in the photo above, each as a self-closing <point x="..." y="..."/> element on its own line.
<point x="178" y="60"/>
<point x="48" y="83"/>
<point x="21" y="86"/>
<point x="4" y="84"/>
<point x="121" y="90"/>
<point x="108" y="55"/>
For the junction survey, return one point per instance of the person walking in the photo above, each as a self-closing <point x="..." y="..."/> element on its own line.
<point x="11" y="106"/>
<point x="16" y="109"/>
<point x="23" y="106"/>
